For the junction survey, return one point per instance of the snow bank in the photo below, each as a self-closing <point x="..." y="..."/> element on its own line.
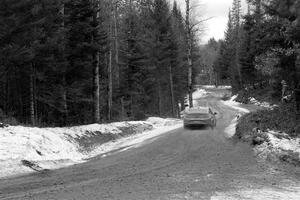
<point x="52" y="148"/>
<point x="199" y="93"/>
<point x="264" y="104"/>
<point x="159" y="122"/>
<point x="231" y="129"/>
<point x="282" y="191"/>
<point x="269" y="145"/>
<point x="232" y="103"/>
<point x="279" y="146"/>
<point x="219" y="87"/>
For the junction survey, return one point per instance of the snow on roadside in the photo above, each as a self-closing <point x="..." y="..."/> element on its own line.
<point x="282" y="191"/>
<point x="159" y="122"/>
<point x="264" y="104"/>
<point x="232" y="103"/>
<point x="231" y="129"/>
<point x="199" y="93"/>
<point x="219" y="87"/>
<point x="52" y="148"/>
<point x="279" y="146"/>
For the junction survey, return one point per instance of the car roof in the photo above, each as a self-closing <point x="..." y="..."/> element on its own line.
<point x="198" y="110"/>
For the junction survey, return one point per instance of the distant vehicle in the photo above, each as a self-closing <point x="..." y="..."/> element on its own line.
<point x="199" y="116"/>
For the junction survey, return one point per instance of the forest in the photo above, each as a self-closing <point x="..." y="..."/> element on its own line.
<point x="68" y="62"/>
<point x="261" y="48"/>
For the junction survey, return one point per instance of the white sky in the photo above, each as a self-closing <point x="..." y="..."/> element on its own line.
<point x="218" y="10"/>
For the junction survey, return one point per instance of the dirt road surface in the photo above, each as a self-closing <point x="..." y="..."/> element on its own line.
<point x="181" y="164"/>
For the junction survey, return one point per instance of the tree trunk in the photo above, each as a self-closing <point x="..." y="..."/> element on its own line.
<point x="178" y="109"/>
<point x="6" y="95"/>
<point x="96" y="63"/>
<point x="117" y="70"/>
<point x="64" y="82"/>
<point x="159" y="99"/>
<point x="35" y="95"/>
<point x="172" y="91"/>
<point x="110" y="86"/>
<point x="64" y="99"/>
<point x="122" y="109"/>
<point x="96" y="89"/>
<point x="189" y="53"/>
<point x="20" y="100"/>
<point x="32" y="100"/>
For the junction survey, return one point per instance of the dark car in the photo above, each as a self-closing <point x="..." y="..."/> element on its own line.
<point x="199" y="116"/>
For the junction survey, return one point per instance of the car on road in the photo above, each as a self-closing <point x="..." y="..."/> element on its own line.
<point x="199" y="116"/>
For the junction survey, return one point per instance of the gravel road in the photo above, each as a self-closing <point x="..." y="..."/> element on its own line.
<point x="181" y="164"/>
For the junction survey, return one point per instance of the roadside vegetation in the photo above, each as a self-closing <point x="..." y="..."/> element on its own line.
<point x="260" y="56"/>
<point x="274" y="134"/>
<point x="76" y="62"/>
<point x="281" y="119"/>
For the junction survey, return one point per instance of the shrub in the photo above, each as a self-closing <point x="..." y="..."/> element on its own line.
<point x="279" y="119"/>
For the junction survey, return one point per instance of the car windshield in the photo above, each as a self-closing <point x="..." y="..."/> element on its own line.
<point x="197" y="115"/>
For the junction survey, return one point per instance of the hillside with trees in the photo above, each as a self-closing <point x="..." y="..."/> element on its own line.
<point x="260" y="56"/>
<point x="68" y="62"/>
<point x="262" y="46"/>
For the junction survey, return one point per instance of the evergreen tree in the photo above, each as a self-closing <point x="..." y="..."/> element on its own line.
<point x="76" y="62"/>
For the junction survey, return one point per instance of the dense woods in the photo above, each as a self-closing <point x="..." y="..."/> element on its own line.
<point x="65" y="62"/>
<point x="261" y="47"/>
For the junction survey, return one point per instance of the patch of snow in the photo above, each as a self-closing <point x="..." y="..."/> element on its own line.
<point x="278" y="145"/>
<point x="225" y="87"/>
<point x="219" y="87"/>
<point x="287" y="144"/>
<point x="159" y="122"/>
<point x="231" y="129"/>
<point x="280" y="192"/>
<point x="25" y="143"/>
<point x="208" y="86"/>
<point x="264" y="104"/>
<point x="232" y="103"/>
<point x="53" y="148"/>
<point x="199" y="93"/>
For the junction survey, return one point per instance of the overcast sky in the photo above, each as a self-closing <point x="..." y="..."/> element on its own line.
<point x="218" y="10"/>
